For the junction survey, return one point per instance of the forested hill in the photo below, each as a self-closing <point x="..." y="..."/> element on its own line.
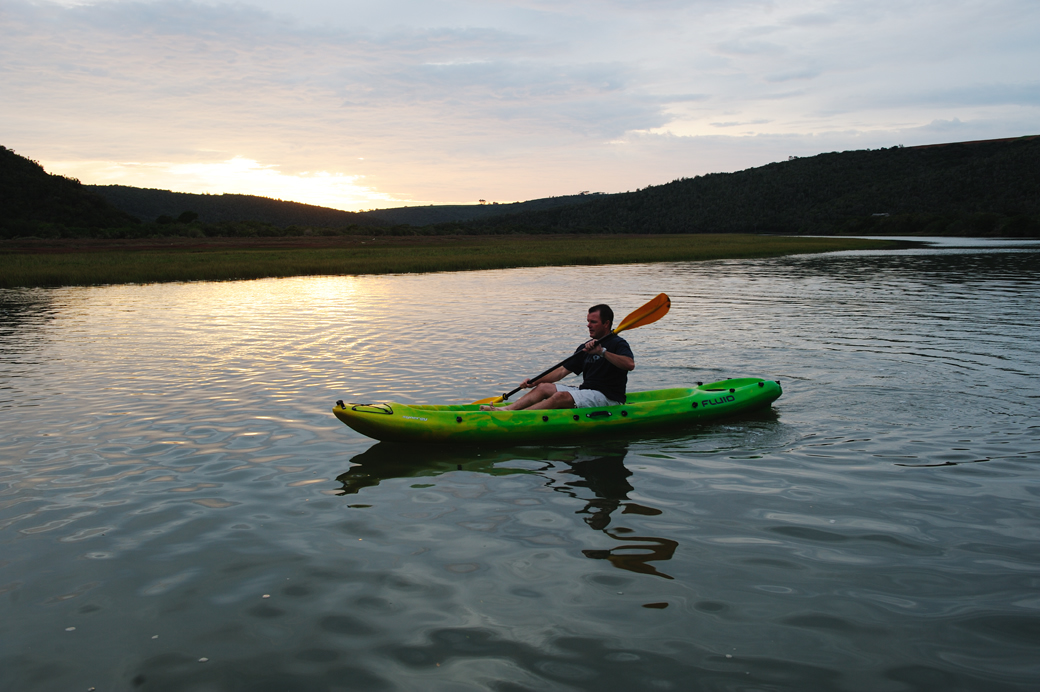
<point x="36" y="203"/>
<point x="969" y="188"/>
<point x="446" y="213"/>
<point x="973" y="188"/>
<point x="150" y="205"/>
<point x="31" y="199"/>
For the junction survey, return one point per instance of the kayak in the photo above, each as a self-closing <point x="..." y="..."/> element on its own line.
<point x="650" y="410"/>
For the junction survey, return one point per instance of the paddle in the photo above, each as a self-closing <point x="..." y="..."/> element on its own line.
<point x="649" y="313"/>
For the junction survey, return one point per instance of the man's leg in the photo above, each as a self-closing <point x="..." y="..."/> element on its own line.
<point x="557" y="400"/>
<point x="533" y="397"/>
<point x="544" y="391"/>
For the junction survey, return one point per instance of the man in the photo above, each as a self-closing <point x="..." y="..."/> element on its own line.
<point x="605" y="367"/>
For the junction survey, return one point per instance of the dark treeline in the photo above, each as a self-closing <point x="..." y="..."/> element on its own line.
<point x="34" y="202"/>
<point x="155" y="205"/>
<point x="152" y="205"/>
<point x="454" y="213"/>
<point x="980" y="188"/>
<point x="989" y="188"/>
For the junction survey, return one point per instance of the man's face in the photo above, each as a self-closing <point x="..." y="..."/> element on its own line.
<point x="597" y="327"/>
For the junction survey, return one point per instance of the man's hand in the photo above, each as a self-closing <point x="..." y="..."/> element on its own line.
<point x="591" y="347"/>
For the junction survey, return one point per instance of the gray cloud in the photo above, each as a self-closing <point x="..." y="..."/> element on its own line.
<point x="813" y="19"/>
<point x="739" y="124"/>
<point x="793" y="75"/>
<point x="145" y="53"/>
<point x="1027" y="94"/>
<point x="746" y="47"/>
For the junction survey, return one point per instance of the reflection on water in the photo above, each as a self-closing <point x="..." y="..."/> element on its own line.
<point x="24" y="315"/>
<point x="180" y="510"/>
<point x="601" y="484"/>
<point x="384" y="461"/>
<point x="603" y="472"/>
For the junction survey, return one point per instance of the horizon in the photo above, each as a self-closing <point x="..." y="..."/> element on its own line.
<point x="351" y="107"/>
<point x="584" y="193"/>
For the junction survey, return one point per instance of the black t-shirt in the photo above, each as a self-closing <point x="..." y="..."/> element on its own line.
<point x="600" y="374"/>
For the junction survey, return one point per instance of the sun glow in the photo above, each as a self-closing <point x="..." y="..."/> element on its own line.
<point x="236" y="175"/>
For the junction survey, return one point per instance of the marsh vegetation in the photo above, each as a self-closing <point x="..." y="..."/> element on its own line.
<point x="97" y="263"/>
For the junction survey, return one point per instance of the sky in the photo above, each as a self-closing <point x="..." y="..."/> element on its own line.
<point x="364" y="105"/>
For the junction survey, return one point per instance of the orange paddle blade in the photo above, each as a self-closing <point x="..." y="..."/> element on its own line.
<point x="489" y="400"/>
<point x="648" y="314"/>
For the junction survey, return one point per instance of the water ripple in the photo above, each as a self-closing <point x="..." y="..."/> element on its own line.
<point x="173" y="487"/>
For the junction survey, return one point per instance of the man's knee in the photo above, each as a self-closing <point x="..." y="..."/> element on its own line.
<point x="546" y="390"/>
<point x="562" y="400"/>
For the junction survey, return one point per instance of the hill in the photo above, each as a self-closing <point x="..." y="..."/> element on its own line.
<point x="152" y="205"/>
<point x="971" y="188"/>
<point x="447" y="213"/>
<point x="34" y="202"/>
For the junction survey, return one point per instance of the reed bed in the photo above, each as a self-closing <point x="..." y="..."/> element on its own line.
<point x="95" y="265"/>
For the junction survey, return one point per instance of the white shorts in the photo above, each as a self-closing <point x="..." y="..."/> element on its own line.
<point x="587" y="398"/>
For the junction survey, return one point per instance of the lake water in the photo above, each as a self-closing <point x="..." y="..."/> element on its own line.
<point x="179" y="509"/>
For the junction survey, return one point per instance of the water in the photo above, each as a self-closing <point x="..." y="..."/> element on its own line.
<point x="180" y="510"/>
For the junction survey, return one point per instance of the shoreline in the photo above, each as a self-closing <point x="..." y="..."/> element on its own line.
<point x="189" y="244"/>
<point x="36" y="263"/>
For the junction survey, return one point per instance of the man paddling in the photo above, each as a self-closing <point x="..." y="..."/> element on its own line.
<point x="605" y="367"/>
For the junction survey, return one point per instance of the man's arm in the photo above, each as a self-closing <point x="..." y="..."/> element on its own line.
<point x="615" y="359"/>
<point x="619" y="361"/>
<point x="554" y="376"/>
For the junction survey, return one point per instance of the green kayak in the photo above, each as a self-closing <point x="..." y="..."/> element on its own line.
<point x="467" y="424"/>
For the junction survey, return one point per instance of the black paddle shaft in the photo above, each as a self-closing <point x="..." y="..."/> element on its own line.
<point x="535" y="379"/>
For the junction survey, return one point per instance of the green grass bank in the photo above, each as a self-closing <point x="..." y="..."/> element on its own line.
<point x="98" y="263"/>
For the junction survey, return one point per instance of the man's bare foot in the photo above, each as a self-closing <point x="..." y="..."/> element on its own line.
<point x="488" y="407"/>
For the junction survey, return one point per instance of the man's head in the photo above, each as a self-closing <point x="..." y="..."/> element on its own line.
<point x="601" y="320"/>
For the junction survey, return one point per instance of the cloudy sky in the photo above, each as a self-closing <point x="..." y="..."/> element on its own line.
<point x="366" y="104"/>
